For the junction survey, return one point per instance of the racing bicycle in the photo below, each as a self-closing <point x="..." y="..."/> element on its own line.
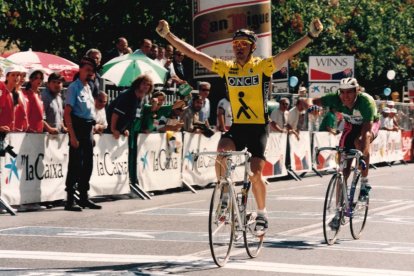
<point x="344" y="202"/>
<point x="232" y="215"/>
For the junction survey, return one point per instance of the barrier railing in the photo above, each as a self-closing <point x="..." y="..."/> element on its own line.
<point x="38" y="172"/>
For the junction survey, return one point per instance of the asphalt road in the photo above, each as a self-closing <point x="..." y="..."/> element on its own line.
<point x="168" y="235"/>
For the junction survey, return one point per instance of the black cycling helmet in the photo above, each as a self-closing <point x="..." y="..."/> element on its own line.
<point x="250" y="35"/>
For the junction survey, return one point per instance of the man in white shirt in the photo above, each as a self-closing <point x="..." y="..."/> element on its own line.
<point x="224" y="114"/>
<point x="279" y="116"/>
<point x="295" y="119"/>
<point x="100" y="115"/>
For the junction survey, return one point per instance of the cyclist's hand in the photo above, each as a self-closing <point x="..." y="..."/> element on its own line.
<point x="315" y="27"/>
<point x="313" y="108"/>
<point x="163" y="28"/>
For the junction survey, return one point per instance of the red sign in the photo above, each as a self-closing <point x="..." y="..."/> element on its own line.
<point x="407" y="143"/>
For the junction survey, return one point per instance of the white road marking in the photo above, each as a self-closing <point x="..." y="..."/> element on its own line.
<point x="395" y="210"/>
<point x="163" y="206"/>
<point x="190" y="261"/>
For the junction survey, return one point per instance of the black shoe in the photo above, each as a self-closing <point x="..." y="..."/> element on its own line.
<point x="89" y="204"/>
<point x="72" y="207"/>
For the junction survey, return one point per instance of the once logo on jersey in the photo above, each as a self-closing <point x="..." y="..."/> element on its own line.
<point x="243" y="81"/>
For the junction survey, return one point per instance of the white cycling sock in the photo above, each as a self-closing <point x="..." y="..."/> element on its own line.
<point x="262" y="212"/>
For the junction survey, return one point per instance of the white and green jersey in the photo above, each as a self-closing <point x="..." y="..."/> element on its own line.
<point x="364" y="109"/>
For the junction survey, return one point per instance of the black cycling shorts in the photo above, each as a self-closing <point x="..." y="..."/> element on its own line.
<point x="250" y="136"/>
<point x="352" y="132"/>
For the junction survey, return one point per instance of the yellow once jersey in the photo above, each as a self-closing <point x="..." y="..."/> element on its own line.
<point x="248" y="87"/>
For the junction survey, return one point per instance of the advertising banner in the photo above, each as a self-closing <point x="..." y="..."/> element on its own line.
<point x="410" y="85"/>
<point x="205" y="173"/>
<point x="394" y="146"/>
<point x="300" y="152"/>
<point x="275" y="155"/>
<point x="330" y="68"/>
<point x="407" y="142"/>
<point x="110" y="172"/>
<point x="318" y="89"/>
<point x="378" y="148"/>
<point x="38" y="173"/>
<point x="159" y="166"/>
<point x="326" y="159"/>
<point x="215" y="21"/>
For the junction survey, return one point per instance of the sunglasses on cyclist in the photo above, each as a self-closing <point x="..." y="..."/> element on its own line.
<point x="241" y="43"/>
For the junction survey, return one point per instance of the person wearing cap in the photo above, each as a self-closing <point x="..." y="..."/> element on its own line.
<point x="390" y="104"/>
<point x="302" y="92"/>
<point x="361" y="125"/>
<point x="386" y="122"/>
<point x="392" y="116"/>
<point x="53" y="104"/>
<point x="175" y="121"/>
<point x="79" y="116"/>
<point x="13" y="84"/>
<point x="247" y="78"/>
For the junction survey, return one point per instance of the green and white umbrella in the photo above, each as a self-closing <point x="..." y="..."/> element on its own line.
<point x="123" y="70"/>
<point x="4" y="62"/>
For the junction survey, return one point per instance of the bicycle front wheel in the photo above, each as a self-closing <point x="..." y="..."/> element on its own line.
<point x="359" y="213"/>
<point x="333" y="209"/>
<point x="252" y="242"/>
<point x="221" y="224"/>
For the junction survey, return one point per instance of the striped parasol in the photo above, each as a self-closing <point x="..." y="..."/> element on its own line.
<point x="123" y="70"/>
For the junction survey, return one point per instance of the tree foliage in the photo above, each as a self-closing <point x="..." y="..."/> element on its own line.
<point x="379" y="33"/>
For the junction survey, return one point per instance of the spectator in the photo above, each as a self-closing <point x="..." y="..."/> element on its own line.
<point x="35" y="109"/>
<point x="79" y="117"/>
<point x="53" y="104"/>
<point x="393" y="118"/>
<point x="121" y="48"/>
<point x="13" y="84"/>
<point x="204" y="90"/>
<point x="96" y="80"/>
<point x="224" y="114"/>
<point x="100" y="115"/>
<point x="156" y="114"/>
<point x="279" y="116"/>
<point x="191" y="118"/>
<point x="329" y="122"/>
<point x="7" y="108"/>
<point x="168" y="64"/>
<point x="302" y="92"/>
<point x="390" y="104"/>
<point x="178" y="65"/>
<point x="154" y="52"/>
<point x="175" y="120"/>
<point x="161" y="56"/>
<point x="128" y="106"/>
<point x="145" y="47"/>
<point x="296" y="118"/>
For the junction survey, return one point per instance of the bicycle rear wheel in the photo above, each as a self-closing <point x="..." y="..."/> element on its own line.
<point x="252" y="242"/>
<point x="359" y="213"/>
<point x="221" y="224"/>
<point x="333" y="209"/>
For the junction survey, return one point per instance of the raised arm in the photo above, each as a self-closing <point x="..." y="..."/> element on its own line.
<point x="315" y="28"/>
<point x="164" y="31"/>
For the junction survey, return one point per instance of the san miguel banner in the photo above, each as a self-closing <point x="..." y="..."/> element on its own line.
<point x="110" y="172"/>
<point x="159" y="166"/>
<point x="330" y="68"/>
<point x="38" y="173"/>
<point x="215" y="21"/>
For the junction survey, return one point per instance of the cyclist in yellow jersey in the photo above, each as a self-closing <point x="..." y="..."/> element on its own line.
<point x="248" y="84"/>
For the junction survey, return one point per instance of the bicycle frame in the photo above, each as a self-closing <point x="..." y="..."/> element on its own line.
<point x="342" y="163"/>
<point x="230" y="167"/>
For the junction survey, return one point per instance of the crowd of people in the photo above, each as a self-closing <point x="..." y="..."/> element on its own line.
<point x="84" y="109"/>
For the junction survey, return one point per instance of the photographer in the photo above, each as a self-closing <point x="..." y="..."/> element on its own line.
<point x="191" y="118"/>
